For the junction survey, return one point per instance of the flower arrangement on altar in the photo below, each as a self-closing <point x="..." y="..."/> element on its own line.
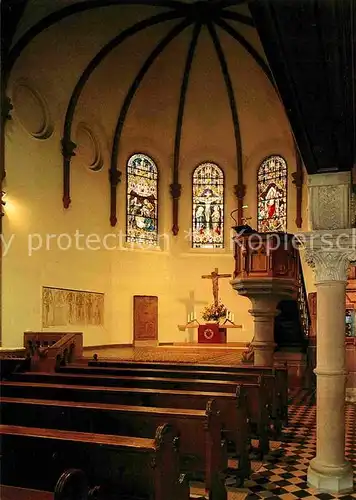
<point x="214" y="312"/>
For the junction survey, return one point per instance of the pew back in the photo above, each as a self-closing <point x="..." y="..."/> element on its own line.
<point x="200" y="431"/>
<point x="136" y="467"/>
<point x="232" y="406"/>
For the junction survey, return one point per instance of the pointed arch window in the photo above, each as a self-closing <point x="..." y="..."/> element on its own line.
<point x="142" y="200"/>
<point x="208" y="206"/>
<point x="272" y="195"/>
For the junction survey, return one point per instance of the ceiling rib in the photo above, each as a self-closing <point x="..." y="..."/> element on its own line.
<point x="236" y="16"/>
<point x="166" y="40"/>
<point x="175" y="188"/>
<point x="233" y="109"/>
<point x="266" y="25"/>
<point x="248" y="47"/>
<point x="68" y="11"/>
<point x="67" y="144"/>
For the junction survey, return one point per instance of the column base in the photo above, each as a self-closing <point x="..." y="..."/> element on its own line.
<point x="263" y="353"/>
<point x="330" y="479"/>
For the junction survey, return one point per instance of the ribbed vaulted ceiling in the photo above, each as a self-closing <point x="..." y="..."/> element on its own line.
<point x="221" y="22"/>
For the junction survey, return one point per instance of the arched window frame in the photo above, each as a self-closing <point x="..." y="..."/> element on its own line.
<point x="221" y="245"/>
<point x="132" y="239"/>
<point x="261" y="165"/>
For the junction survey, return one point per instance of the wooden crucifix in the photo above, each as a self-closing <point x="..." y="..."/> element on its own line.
<point x="214" y="277"/>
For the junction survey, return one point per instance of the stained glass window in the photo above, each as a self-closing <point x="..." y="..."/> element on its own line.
<point x="272" y="195"/>
<point x="208" y="206"/>
<point x="142" y="200"/>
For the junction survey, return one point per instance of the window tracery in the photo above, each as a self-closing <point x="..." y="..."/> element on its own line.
<point x="272" y="195"/>
<point x="142" y="200"/>
<point x="208" y="206"/>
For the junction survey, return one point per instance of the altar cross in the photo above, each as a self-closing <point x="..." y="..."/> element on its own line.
<point x="214" y="277"/>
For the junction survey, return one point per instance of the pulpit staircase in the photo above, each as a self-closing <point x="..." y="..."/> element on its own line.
<point x="292" y="325"/>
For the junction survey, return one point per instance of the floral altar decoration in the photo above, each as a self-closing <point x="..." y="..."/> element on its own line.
<point x="215" y="312"/>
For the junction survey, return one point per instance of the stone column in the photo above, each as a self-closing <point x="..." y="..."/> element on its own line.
<point x="329" y="248"/>
<point x="263" y="312"/>
<point x="329" y="470"/>
<point x="265" y="294"/>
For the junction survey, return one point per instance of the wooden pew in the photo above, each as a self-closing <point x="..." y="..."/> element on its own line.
<point x="72" y="485"/>
<point x="258" y="393"/>
<point x="279" y="373"/>
<point x="232" y="406"/>
<point x="201" y="445"/>
<point x="276" y="379"/>
<point x="11" y="364"/>
<point x="135" y="467"/>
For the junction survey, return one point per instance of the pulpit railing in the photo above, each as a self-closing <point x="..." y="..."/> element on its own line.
<point x="49" y="351"/>
<point x="302" y="300"/>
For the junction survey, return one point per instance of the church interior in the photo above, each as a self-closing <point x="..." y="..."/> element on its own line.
<point x="178" y="249"/>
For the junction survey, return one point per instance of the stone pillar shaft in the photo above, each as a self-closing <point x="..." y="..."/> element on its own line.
<point x="329" y="254"/>
<point x="263" y="341"/>
<point x="330" y="372"/>
<point x="265" y="294"/>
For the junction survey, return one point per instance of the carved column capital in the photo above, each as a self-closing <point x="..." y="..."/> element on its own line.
<point x="328" y="266"/>
<point x="329" y="254"/>
<point x="6" y="108"/>
<point x="240" y="191"/>
<point x="68" y="148"/>
<point x="176" y="190"/>
<point x="114" y="177"/>
<point x="298" y="178"/>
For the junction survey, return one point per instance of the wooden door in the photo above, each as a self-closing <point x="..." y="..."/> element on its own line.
<point x="145" y="318"/>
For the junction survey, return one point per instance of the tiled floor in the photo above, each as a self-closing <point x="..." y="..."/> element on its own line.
<point x="228" y="354"/>
<point x="285" y="475"/>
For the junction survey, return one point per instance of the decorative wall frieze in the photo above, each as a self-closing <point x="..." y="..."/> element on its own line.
<point x="329" y="254"/>
<point x="65" y="307"/>
<point x="330" y="201"/>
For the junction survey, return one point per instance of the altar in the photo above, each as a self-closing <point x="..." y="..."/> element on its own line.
<point x="216" y="316"/>
<point x="211" y="333"/>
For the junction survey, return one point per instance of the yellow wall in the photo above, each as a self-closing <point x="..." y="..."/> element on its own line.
<point x="34" y="175"/>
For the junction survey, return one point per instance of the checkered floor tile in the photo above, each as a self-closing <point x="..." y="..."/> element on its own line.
<point x="284" y="474"/>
